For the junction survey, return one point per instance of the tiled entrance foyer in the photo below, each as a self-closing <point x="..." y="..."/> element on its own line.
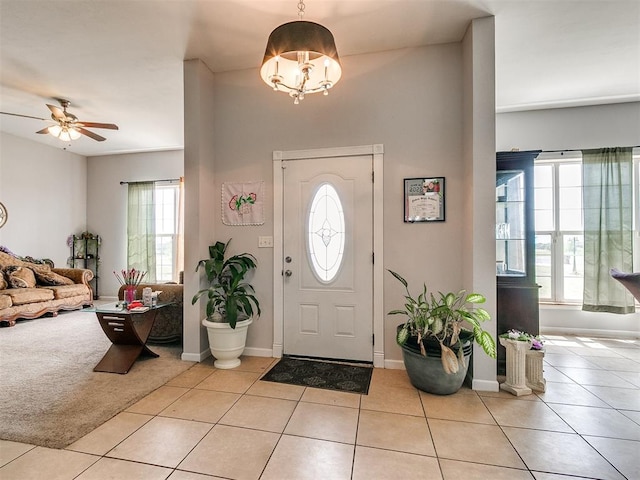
<point x="210" y="423"/>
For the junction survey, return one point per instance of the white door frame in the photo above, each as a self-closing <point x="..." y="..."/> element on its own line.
<point x="279" y="159"/>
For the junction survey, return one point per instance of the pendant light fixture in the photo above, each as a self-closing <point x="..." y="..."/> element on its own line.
<point x="301" y="58"/>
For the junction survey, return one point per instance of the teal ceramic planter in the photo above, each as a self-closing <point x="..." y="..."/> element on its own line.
<point x="427" y="374"/>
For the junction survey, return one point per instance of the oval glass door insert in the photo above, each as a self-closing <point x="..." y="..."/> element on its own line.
<point x="326" y="233"/>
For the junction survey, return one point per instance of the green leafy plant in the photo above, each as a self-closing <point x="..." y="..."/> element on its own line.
<point x="228" y="292"/>
<point x="441" y="318"/>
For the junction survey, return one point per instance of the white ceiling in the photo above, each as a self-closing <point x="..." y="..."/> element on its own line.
<point x="120" y="61"/>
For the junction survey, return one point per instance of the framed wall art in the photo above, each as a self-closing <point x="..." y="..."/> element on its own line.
<point x="424" y="199"/>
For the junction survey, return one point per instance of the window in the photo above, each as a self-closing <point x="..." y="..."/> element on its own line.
<point x="559" y="238"/>
<point x="559" y="231"/>
<point x="155" y="229"/>
<point x="326" y="233"/>
<point x="166" y="210"/>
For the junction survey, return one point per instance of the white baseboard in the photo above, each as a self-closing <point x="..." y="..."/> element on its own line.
<point x="485" y="385"/>
<point x="277" y="350"/>
<point x="589" y="332"/>
<point x="378" y="359"/>
<point x="195" y="357"/>
<point x="258" y="352"/>
<point x="394" y="364"/>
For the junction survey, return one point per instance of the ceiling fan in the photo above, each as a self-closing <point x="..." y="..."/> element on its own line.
<point x="67" y="127"/>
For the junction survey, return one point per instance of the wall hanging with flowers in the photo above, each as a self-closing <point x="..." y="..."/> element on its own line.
<point x="243" y="203"/>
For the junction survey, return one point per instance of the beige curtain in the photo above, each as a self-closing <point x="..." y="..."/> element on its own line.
<point x="178" y="261"/>
<point x="141" y="229"/>
<point x="608" y="231"/>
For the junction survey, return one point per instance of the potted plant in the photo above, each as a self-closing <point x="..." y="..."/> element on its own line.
<point x="436" y="344"/>
<point x="231" y="303"/>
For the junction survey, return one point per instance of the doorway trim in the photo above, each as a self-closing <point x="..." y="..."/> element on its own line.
<point x="279" y="164"/>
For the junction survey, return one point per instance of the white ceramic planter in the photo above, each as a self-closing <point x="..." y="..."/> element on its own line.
<point x="227" y="344"/>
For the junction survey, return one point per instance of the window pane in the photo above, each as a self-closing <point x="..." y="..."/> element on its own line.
<point x="573" y="266"/>
<point x="166" y="235"/>
<point x="543" y="219"/>
<point x="326" y="233"/>
<point x="545" y="288"/>
<point x="164" y="257"/>
<point x="543" y="176"/>
<point x="570" y="175"/>
<point x="570" y="208"/>
<point x="570" y="196"/>
<point x="165" y="209"/>
<point x="543" y="265"/>
<point x="571" y="219"/>
<point x="543" y="197"/>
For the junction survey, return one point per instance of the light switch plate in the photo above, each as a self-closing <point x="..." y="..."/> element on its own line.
<point x="265" y="242"/>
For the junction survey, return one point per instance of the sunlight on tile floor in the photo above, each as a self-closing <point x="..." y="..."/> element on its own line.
<point x="213" y="424"/>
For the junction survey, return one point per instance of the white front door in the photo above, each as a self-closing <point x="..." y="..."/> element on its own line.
<point x="328" y="257"/>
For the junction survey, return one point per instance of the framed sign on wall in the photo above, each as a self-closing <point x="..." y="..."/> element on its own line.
<point x="424" y="199"/>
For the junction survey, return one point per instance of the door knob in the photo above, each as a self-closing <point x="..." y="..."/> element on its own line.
<point x="287" y="273"/>
<point x="287" y="259"/>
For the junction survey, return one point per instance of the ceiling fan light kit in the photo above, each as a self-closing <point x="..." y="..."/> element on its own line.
<point x="301" y="58"/>
<point x="67" y="127"/>
<point x="66" y="134"/>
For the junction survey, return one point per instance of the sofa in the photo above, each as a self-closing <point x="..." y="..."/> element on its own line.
<point x="31" y="288"/>
<point x="168" y="325"/>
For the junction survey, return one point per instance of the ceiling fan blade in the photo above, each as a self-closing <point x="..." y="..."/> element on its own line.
<point x="110" y="126"/>
<point x="44" y="130"/>
<point x="89" y="134"/>
<point x="25" y="116"/>
<point x="57" y="112"/>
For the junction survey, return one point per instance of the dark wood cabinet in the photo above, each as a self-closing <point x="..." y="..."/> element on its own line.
<point x="85" y="253"/>
<point x="517" y="291"/>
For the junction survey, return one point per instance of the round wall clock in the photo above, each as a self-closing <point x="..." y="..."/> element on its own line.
<point x="3" y="215"/>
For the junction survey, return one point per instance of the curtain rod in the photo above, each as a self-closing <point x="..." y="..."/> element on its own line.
<point x="152" y="181"/>
<point x="580" y="149"/>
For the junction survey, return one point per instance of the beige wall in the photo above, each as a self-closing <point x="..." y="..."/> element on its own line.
<point x="411" y="101"/>
<point x="478" y="250"/>
<point x="107" y="203"/>
<point x="45" y="192"/>
<point x="201" y="198"/>
<point x="598" y="126"/>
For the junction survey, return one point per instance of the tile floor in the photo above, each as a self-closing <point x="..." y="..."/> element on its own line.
<point x="213" y="424"/>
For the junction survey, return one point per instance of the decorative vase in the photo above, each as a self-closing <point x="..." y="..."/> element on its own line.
<point x="516" y="382"/>
<point x="130" y="294"/>
<point x="226" y="343"/>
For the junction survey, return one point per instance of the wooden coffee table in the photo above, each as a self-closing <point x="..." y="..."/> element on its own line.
<point x="128" y="333"/>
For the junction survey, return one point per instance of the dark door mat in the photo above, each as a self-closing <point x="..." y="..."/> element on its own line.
<point x="320" y="374"/>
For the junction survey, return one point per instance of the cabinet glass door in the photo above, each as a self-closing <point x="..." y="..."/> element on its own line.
<point x="510" y="224"/>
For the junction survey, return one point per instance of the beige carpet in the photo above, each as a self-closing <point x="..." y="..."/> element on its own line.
<point x="49" y="393"/>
